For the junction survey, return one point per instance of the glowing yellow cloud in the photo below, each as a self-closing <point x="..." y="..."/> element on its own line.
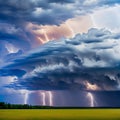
<point x="90" y="86"/>
<point x="45" y="33"/>
<point x="50" y="32"/>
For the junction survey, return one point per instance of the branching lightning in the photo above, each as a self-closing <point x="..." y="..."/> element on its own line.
<point x="46" y="37"/>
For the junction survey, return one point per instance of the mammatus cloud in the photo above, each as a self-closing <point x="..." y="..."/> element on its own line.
<point x="87" y="62"/>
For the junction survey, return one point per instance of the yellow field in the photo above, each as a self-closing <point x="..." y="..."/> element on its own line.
<point x="61" y="114"/>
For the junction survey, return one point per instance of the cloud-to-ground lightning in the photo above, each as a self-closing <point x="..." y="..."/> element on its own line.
<point x="50" y="98"/>
<point x="43" y="98"/>
<point x="26" y="98"/>
<point x="91" y="98"/>
<point x="26" y="95"/>
<point x="47" y="95"/>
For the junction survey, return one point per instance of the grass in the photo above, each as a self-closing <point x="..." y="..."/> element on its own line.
<point x="58" y="114"/>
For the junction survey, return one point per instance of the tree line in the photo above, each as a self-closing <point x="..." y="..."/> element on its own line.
<point x="4" y="105"/>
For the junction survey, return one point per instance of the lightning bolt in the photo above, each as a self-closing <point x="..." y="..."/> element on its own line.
<point x="70" y="29"/>
<point x="43" y="98"/>
<point x="45" y="35"/>
<point x="26" y="98"/>
<point x="91" y="99"/>
<point x="26" y="95"/>
<point x="47" y="95"/>
<point x="41" y="40"/>
<point x="50" y="98"/>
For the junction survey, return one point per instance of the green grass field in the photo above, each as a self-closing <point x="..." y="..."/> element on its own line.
<point x="60" y="114"/>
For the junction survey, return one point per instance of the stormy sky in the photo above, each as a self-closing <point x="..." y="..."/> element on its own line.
<point x="55" y="51"/>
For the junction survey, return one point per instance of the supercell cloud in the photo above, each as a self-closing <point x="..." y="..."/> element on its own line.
<point x="89" y="61"/>
<point x="51" y="45"/>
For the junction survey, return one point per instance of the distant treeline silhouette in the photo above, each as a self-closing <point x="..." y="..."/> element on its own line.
<point x="4" y="105"/>
<point x="21" y="106"/>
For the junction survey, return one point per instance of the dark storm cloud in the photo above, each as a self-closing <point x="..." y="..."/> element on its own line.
<point x="3" y="49"/>
<point x="12" y="38"/>
<point x="61" y="1"/>
<point x="47" y="11"/>
<point x="71" y="63"/>
<point x="14" y="72"/>
<point x="16" y="40"/>
<point x="16" y="14"/>
<point x="40" y="12"/>
<point x="11" y="56"/>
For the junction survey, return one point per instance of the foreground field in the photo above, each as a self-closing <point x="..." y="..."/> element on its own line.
<point x="61" y="114"/>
